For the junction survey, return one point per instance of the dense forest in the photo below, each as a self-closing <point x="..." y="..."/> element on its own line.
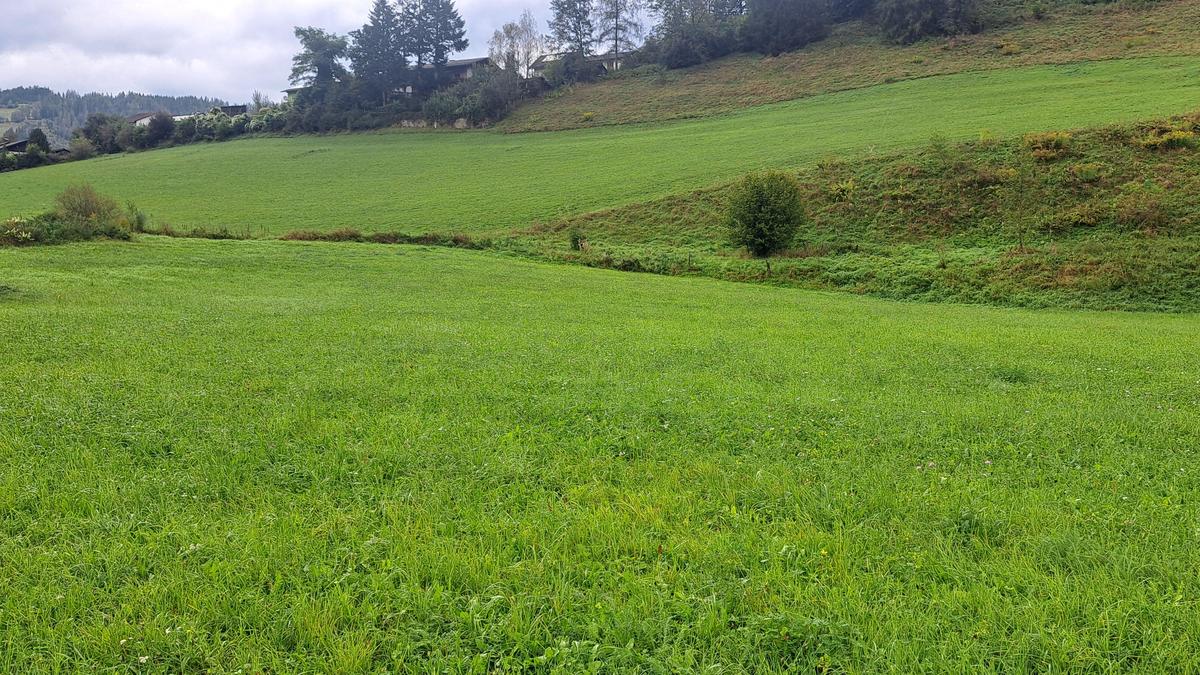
<point x="59" y="114"/>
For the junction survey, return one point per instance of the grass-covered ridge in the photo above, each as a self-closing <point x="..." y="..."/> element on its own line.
<point x="474" y="182"/>
<point x="334" y="458"/>
<point x="854" y="58"/>
<point x="1110" y="221"/>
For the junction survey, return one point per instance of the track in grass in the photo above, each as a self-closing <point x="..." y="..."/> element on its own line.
<point x="338" y="458"/>
<point x="420" y="182"/>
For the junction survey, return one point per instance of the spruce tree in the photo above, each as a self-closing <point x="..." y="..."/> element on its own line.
<point x="377" y="52"/>
<point x="571" y="26"/>
<point x="447" y="30"/>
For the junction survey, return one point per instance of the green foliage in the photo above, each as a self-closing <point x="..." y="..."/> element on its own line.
<point x="572" y="68"/>
<point x="37" y="139"/>
<point x="378" y="52"/>
<point x="160" y="129"/>
<point x="777" y="26"/>
<point x="82" y="204"/>
<point x="444" y="31"/>
<point x="488" y="95"/>
<point x="1139" y="206"/>
<point x="319" y="62"/>
<point x="765" y="212"/>
<point x="442" y="107"/>
<point x="907" y="21"/>
<point x="572" y="27"/>
<point x="81" y="214"/>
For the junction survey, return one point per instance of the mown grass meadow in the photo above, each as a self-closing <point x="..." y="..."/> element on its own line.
<point x="277" y="456"/>
<point x="854" y="56"/>
<point x="475" y="182"/>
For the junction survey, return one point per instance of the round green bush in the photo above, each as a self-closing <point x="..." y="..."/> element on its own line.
<point x="765" y="212"/>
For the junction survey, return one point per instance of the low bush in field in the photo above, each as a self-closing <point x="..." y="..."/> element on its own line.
<point x="82" y="204"/>
<point x="80" y="214"/>
<point x="765" y="212"/>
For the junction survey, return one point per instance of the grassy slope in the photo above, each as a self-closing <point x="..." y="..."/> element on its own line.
<point x="419" y="182"/>
<point x="1110" y="225"/>
<point x="853" y="59"/>
<point x="322" y="458"/>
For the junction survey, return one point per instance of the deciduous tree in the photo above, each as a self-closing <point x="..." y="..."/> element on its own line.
<point x="619" y="23"/>
<point x="517" y="44"/>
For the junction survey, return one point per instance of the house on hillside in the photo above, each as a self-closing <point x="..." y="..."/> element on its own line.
<point x="21" y="147"/>
<point x="140" y="119"/>
<point x="463" y="69"/>
<point x="605" y="63"/>
<point x="289" y="94"/>
<point x="14" y="146"/>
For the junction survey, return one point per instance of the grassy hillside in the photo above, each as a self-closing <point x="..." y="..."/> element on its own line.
<point x="322" y="458"/>
<point x="1113" y="221"/>
<point x="418" y="182"/>
<point x="854" y="58"/>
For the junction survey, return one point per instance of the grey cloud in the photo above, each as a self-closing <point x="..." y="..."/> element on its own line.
<point x="222" y="48"/>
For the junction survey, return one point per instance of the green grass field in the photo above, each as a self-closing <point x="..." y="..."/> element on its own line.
<point x="1111" y="224"/>
<point x="286" y="457"/>
<point x="854" y="56"/>
<point x="471" y="182"/>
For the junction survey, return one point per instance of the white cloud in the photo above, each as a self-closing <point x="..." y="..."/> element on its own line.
<point x="221" y="48"/>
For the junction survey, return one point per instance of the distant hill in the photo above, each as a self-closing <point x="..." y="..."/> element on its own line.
<point x="58" y="114"/>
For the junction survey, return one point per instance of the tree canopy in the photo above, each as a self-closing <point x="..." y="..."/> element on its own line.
<point x="319" y="62"/>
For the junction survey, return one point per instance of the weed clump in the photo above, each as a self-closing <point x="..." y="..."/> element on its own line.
<point x="1088" y="172"/>
<point x="1140" y="207"/>
<point x="1175" y="139"/>
<point x="1049" y="146"/>
<point x="765" y="212"/>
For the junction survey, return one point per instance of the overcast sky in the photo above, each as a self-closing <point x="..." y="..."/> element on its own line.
<point x="220" y="48"/>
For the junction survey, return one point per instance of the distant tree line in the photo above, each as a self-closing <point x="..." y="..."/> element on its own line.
<point x="59" y="114"/>
<point x="393" y="67"/>
<point x="690" y="32"/>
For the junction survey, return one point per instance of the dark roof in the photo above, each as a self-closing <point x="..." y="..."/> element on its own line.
<point x="133" y="119"/>
<point x="464" y="63"/>
<point x="15" y="146"/>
